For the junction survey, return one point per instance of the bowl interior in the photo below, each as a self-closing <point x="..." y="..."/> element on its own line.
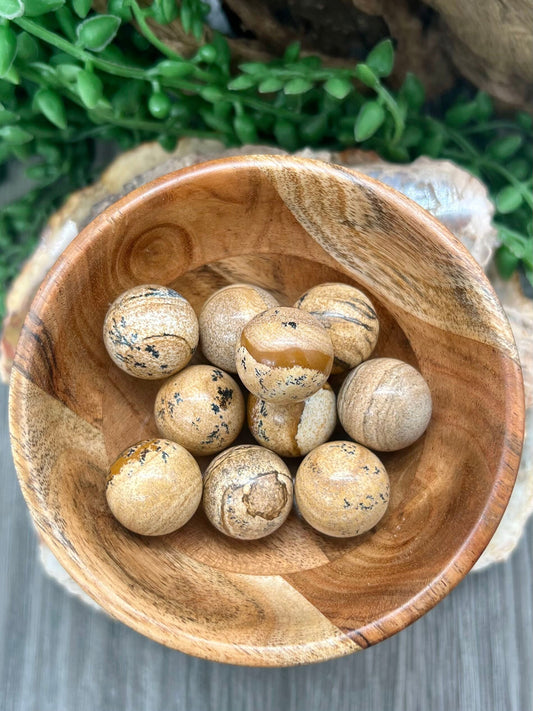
<point x="285" y="224"/>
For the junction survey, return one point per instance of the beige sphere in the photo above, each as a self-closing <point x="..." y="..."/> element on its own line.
<point x="384" y="404"/>
<point x="293" y="429"/>
<point x="154" y="487"/>
<point x="284" y="355"/>
<point x="202" y="408"/>
<point x="350" y="318"/>
<point x="151" y="331"/>
<point x="248" y="492"/>
<point x="223" y="317"/>
<point x="341" y="489"/>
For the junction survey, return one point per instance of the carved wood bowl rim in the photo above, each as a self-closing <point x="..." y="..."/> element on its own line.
<point x="344" y="639"/>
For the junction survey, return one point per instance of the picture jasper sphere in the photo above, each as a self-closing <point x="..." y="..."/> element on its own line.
<point x="151" y="331"/>
<point x="223" y="317"/>
<point x="202" y="408"/>
<point x="248" y="492"/>
<point x="350" y="318"/>
<point x="293" y="429"/>
<point x="154" y="487"/>
<point x="384" y="404"/>
<point x="341" y="489"/>
<point x="284" y="355"/>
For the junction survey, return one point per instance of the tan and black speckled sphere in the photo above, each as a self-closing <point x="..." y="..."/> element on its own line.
<point x="223" y="317"/>
<point x="154" y="487"/>
<point x="384" y="404"/>
<point x="284" y="355"/>
<point x="341" y="489"/>
<point x="151" y="331"/>
<point x="248" y="492"/>
<point x="293" y="429"/>
<point x="202" y="408"/>
<point x="350" y="318"/>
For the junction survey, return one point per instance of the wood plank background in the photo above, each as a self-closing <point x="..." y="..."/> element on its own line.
<point x="473" y="652"/>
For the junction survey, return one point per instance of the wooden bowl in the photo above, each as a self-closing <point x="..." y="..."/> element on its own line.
<point x="285" y="224"/>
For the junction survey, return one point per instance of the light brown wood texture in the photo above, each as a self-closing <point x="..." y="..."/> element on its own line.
<point x="285" y="224"/>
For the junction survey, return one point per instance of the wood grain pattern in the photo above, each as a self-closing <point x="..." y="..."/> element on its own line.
<point x="268" y="604"/>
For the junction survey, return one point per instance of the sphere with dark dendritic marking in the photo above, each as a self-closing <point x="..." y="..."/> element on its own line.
<point x="284" y="355"/>
<point x="293" y="429"/>
<point x="342" y="489"/>
<point x="248" y="492"/>
<point x="151" y="332"/>
<point x="350" y="318"/>
<point x="202" y="408"/>
<point x="154" y="487"/>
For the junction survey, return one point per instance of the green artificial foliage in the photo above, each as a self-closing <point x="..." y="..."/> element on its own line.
<point x="70" y="76"/>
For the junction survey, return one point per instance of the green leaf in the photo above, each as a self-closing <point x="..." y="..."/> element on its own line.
<point x="508" y="199"/>
<point x="197" y="28"/>
<point x="338" y="88"/>
<point x="8" y="48"/>
<point x="212" y="94"/>
<point x="82" y="7"/>
<point x="381" y="58"/>
<point x="128" y="96"/>
<point x="164" y="11"/>
<point x="120" y="8"/>
<point x="51" y="105"/>
<point x="524" y="120"/>
<point x="412" y="136"/>
<point x="27" y="47"/>
<point x="503" y="148"/>
<point x="173" y="68"/>
<point x="207" y="53"/>
<point x="506" y="262"/>
<point x="68" y="72"/>
<point x="186" y="17"/>
<point x="7" y="117"/>
<point x="215" y="122"/>
<point x="35" y="8"/>
<point x="366" y="76"/>
<point x="292" y="53"/>
<point x="519" y="167"/>
<point x="369" y="119"/>
<point x="14" y="135"/>
<point x="460" y="114"/>
<point x="270" y="85"/>
<point x="432" y="145"/>
<point x="286" y="134"/>
<point x="48" y="73"/>
<point x="413" y="92"/>
<point x="12" y="76"/>
<point x="398" y="154"/>
<point x="257" y="69"/>
<point x="10" y="9"/>
<point x="244" y="81"/>
<point x="298" y="85"/>
<point x="313" y="130"/>
<point x="90" y="88"/>
<point x="220" y="43"/>
<point x="484" y="106"/>
<point x="159" y="105"/>
<point x="97" y="32"/>
<point x="244" y="128"/>
<point x="168" y="143"/>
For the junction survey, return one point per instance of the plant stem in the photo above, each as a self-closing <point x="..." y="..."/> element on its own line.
<point x="149" y="35"/>
<point x="391" y="104"/>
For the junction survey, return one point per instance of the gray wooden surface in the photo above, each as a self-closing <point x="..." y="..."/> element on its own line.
<point x="473" y="651"/>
